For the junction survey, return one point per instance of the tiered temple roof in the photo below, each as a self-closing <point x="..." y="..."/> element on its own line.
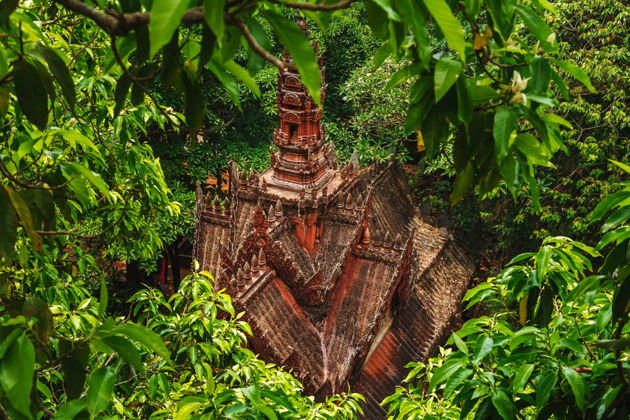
<point x="338" y="275"/>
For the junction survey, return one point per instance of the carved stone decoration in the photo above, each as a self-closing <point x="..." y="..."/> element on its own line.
<point x="260" y="221"/>
<point x="340" y="278"/>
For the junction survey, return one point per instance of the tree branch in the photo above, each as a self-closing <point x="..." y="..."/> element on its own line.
<point x="282" y="65"/>
<point x="315" y="7"/>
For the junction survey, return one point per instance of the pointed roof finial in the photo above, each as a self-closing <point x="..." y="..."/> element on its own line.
<point x="255" y="265"/>
<point x="365" y="240"/>
<point x="271" y="214"/>
<point x="387" y="240"/>
<point x="349" y="201"/>
<point x="398" y="242"/>
<point x="378" y="237"/>
<point x="247" y="272"/>
<point x="240" y="279"/>
<point x="262" y="259"/>
<point x="279" y="209"/>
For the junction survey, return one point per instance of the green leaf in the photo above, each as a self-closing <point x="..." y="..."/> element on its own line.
<point x="576" y="72"/>
<point x="31" y="93"/>
<point x="544" y="387"/>
<point x="16" y="374"/>
<point x="577" y="386"/>
<point x="464" y="101"/>
<point x="266" y="411"/>
<point x="533" y="150"/>
<point x="434" y="130"/>
<point x="24" y="214"/>
<point x="185" y="412"/>
<point x="503" y="404"/>
<point x="126" y="350"/>
<point x="521" y="376"/>
<point x="463" y="183"/>
<point x="404" y="74"/>
<point x="60" y="72"/>
<point x="502" y="14"/>
<point x="414" y="15"/>
<point x="538" y="27"/>
<point x="446" y="74"/>
<point x="213" y="13"/>
<point x="38" y="309"/>
<point x="171" y="62"/>
<point x="608" y="204"/>
<point x="618" y="217"/>
<point x="571" y="344"/>
<point x="102" y="304"/>
<point x="444" y="372"/>
<point x="450" y="26"/>
<point x="120" y="93"/>
<point x="483" y="346"/>
<point x="528" y="174"/>
<point x="541" y="75"/>
<point x="165" y="18"/>
<point x="557" y="119"/>
<point x="505" y="120"/>
<point x="377" y="20"/>
<point x="73" y="137"/>
<point x="589" y="283"/>
<point x="95" y="179"/>
<point x="243" y="75"/>
<point x="194" y="102"/>
<point x="472" y="8"/>
<point x="101" y="387"/>
<point x="421" y="98"/>
<point x="386" y="5"/>
<point x="144" y="336"/>
<point x="226" y="80"/>
<point x="623" y="166"/>
<point x="460" y="343"/>
<point x="143" y="45"/>
<point x="8" y="226"/>
<point x="300" y="50"/>
<point x="70" y="410"/>
<point x="455" y="380"/>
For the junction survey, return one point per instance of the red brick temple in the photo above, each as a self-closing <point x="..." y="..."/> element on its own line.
<point x="339" y="277"/>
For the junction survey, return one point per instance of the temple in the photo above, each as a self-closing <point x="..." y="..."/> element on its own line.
<point x="339" y="277"/>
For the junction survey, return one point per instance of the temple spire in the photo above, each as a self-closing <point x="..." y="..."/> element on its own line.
<point x="301" y="160"/>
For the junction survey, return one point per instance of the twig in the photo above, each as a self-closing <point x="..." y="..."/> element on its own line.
<point x="78" y="235"/>
<point x="315" y="7"/>
<point x="240" y="24"/>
